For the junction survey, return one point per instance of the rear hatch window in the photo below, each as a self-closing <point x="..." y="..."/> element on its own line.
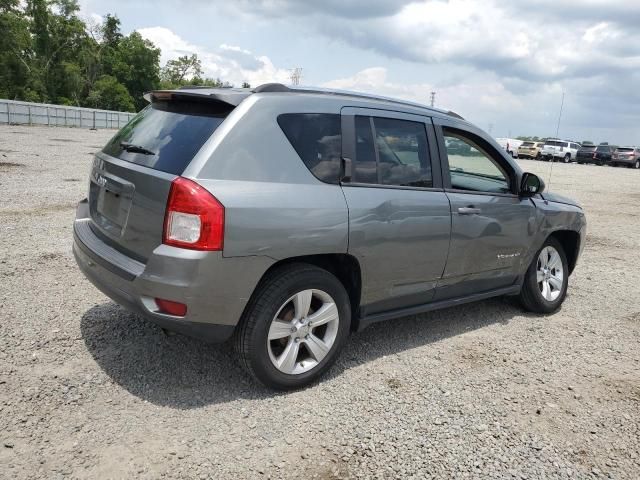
<point x="625" y="150"/>
<point x="166" y="135"/>
<point x="603" y="148"/>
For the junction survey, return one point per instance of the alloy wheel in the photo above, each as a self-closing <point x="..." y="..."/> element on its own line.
<point x="303" y="331"/>
<point x="549" y="273"/>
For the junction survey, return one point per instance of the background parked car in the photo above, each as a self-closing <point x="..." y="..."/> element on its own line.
<point x="530" y="150"/>
<point x="563" y="150"/>
<point x="629" y="156"/>
<point x="602" y="154"/>
<point x="585" y="153"/>
<point x="511" y="145"/>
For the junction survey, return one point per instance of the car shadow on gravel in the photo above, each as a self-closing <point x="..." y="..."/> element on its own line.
<point x="182" y="372"/>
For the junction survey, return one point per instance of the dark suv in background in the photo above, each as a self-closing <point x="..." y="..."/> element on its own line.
<point x="600" y="155"/>
<point x="585" y="153"/>
<point x="286" y="218"/>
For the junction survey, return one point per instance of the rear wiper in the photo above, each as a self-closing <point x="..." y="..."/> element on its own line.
<point x="130" y="147"/>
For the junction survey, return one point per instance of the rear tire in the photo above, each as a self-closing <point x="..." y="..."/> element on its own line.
<point x="636" y="165"/>
<point x="285" y="304"/>
<point x="545" y="283"/>
<point x="567" y="158"/>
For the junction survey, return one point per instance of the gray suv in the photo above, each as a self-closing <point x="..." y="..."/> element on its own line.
<point x="286" y="218"/>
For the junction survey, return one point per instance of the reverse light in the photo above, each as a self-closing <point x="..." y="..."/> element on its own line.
<point x="194" y="218"/>
<point x="171" y="308"/>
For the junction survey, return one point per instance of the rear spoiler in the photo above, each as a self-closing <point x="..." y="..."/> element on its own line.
<point x="222" y="96"/>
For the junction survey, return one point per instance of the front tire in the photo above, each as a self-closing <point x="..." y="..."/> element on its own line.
<point x="294" y="326"/>
<point x="567" y="158"/>
<point x="636" y="165"/>
<point x="545" y="283"/>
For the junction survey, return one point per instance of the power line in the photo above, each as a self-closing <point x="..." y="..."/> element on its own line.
<point x="433" y="99"/>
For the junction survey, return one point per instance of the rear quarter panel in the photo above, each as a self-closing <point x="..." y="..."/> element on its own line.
<point x="274" y="206"/>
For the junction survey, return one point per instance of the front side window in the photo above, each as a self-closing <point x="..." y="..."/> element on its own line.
<point x="391" y="152"/>
<point x="317" y="139"/>
<point x="471" y="167"/>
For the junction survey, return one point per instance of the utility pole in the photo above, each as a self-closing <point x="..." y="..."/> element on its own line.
<point x="296" y="75"/>
<point x="433" y="99"/>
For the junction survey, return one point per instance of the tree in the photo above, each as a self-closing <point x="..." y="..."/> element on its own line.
<point x="178" y="71"/>
<point x="110" y="94"/>
<point x="246" y="85"/>
<point x="137" y="66"/>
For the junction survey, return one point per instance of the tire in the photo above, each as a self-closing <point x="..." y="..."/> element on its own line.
<point x="567" y="158"/>
<point x="532" y="297"/>
<point x="636" y="165"/>
<point x="276" y="294"/>
<point x="538" y="156"/>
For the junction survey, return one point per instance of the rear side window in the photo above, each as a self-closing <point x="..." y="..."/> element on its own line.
<point x="166" y="135"/>
<point x="317" y="140"/>
<point x="391" y="152"/>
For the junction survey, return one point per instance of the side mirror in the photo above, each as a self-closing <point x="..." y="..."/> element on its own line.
<point x="530" y="185"/>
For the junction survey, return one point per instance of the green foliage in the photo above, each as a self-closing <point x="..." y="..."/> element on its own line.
<point x="531" y="139"/>
<point x="110" y="94"/>
<point x="48" y="54"/>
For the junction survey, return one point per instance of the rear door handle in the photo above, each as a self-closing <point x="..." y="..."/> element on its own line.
<point x="468" y="211"/>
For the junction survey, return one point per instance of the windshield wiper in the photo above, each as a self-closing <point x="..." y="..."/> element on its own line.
<point x="130" y="147"/>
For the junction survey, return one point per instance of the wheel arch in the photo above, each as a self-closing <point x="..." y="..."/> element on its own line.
<point x="570" y="241"/>
<point x="345" y="267"/>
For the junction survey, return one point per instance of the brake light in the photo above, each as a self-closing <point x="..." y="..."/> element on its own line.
<point x="194" y="218"/>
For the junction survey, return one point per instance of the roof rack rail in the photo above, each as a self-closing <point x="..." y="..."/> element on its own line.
<point x="271" y="87"/>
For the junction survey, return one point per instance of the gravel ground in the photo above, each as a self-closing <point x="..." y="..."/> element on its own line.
<point x="88" y="390"/>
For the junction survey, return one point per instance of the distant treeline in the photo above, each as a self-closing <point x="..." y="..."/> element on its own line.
<point x="542" y="139"/>
<point x="49" y="54"/>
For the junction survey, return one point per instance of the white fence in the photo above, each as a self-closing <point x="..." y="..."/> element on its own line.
<point x="26" y="113"/>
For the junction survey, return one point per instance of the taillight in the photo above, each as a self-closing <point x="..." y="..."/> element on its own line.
<point x="194" y="218"/>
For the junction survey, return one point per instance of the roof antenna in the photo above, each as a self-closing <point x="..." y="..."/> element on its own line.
<point x="557" y="133"/>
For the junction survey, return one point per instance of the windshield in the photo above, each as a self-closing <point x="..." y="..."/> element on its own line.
<point x="165" y="135"/>
<point x="528" y="144"/>
<point x="589" y="148"/>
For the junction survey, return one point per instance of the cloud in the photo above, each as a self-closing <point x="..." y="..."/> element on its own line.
<point x="338" y="8"/>
<point x="229" y="63"/>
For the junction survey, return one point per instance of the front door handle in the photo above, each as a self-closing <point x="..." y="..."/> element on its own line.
<point x="468" y="211"/>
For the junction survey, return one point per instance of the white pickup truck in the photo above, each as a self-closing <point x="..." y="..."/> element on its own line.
<point x="510" y="145"/>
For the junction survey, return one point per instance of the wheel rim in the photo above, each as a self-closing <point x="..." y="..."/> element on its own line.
<point x="303" y="331"/>
<point x="549" y="273"/>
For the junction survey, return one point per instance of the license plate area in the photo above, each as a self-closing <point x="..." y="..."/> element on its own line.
<point x="110" y="201"/>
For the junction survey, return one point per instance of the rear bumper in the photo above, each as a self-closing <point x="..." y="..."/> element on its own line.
<point x="624" y="161"/>
<point x="215" y="289"/>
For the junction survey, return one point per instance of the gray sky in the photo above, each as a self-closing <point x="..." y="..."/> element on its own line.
<point x="500" y="66"/>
